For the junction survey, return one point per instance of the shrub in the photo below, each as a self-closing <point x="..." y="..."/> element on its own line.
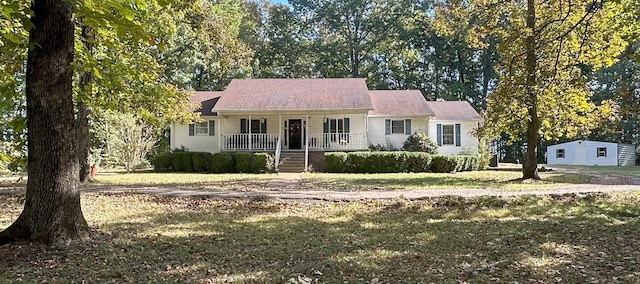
<point x="163" y="162"/>
<point x="420" y="142"/>
<point x="202" y="161"/>
<point x="335" y="162"/>
<point x="263" y="163"/>
<point x="445" y="163"/>
<point x="416" y="162"/>
<point x="182" y="162"/>
<point x="244" y="162"/>
<point x="386" y="162"/>
<point x="223" y="162"/>
<point x="377" y="162"/>
<point x="358" y="162"/>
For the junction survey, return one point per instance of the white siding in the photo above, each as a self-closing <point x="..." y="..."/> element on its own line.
<point x="180" y="137"/>
<point x="583" y="153"/>
<point x="230" y="124"/>
<point x="377" y="134"/>
<point x="468" y="142"/>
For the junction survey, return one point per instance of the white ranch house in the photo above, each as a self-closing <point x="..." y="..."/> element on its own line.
<point x="312" y="116"/>
<point x="591" y="153"/>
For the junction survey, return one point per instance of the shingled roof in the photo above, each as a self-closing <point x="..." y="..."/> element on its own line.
<point x="453" y="110"/>
<point x="295" y="94"/>
<point x="399" y="103"/>
<point x="206" y="101"/>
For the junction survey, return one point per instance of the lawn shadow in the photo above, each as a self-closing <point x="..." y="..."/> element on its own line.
<point x="437" y="240"/>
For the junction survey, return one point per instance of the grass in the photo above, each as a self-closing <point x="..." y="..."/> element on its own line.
<point x="633" y="171"/>
<point x="147" y="239"/>
<point x="506" y="180"/>
<point x="230" y="181"/>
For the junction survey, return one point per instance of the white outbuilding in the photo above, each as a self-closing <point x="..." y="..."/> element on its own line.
<point x="591" y="153"/>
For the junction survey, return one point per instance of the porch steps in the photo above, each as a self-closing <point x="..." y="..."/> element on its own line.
<point x="291" y="162"/>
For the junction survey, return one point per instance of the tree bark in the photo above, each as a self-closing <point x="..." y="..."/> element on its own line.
<point x="82" y="137"/>
<point x="83" y="111"/>
<point x="52" y="212"/>
<point x="530" y="163"/>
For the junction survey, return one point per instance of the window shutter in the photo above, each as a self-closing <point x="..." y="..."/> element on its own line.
<point x="263" y="126"/>
<point x="439" y="133"/>
<point x="212" y="127"/>
<point x="346" y="125"/>
<point x="325" y="125"/>
<point x="192" y="129"/>
<point x="387" y="126"/>
<point x="243" y="125"/>
<point x="458" y="142"/>
<point x="407" y="126"/>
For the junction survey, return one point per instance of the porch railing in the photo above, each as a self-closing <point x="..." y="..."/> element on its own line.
<point x="250" y="142"/>
<point x="338" y="141"/>
<point x="316" y="142"/>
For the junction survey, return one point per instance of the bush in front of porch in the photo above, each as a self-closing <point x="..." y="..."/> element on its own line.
<point x="397" y="162"/>
<point x="203" y="162"/>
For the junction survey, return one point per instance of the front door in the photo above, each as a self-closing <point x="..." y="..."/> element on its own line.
<point x="295" y="133"/>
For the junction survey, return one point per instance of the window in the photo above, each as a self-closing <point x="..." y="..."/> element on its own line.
<point x="560" y="153"/>
<point x="397" y="127"/>
<point x="202" y="128"/>
<point x="337" y="128"/>
<point x="448" y="137"/>
<point x="602" y="152"/>
<point x="256" y="125"/>
<point x="449" y="134"/>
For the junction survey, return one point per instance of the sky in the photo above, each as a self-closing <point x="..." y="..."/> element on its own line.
<point x="280" y="2"/>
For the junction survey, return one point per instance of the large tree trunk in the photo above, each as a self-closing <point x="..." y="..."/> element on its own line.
<point x="530" y="163"/>
<point x="83" y="111"/>
<point x="52" y="212"/>
<point x="83" y="139"/>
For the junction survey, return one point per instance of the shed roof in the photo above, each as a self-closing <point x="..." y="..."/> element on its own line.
<point x="295" y="94"/>
<point x="453" y="110"/>
<point x="205" y="100"/>
<point x="399" y="103"/>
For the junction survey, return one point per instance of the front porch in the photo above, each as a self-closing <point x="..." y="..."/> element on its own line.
<point x="294" y="132"/>
<point x="312" y="142"/>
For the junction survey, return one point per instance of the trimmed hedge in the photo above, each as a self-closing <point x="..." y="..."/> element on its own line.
<point x="454" y="163"/>
<point x="202" y="162"/>
<point x="225" y="162"/>
<point x="243" y="162"/>
<point x="163" y="162"/>
<point x="182" y="161"/>
<point x="335" y="162"/>
<point x="263" y="163"/>
<point x="396" y="162"/>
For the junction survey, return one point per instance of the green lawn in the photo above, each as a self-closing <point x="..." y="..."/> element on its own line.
<point x="507" y="180"/>
<point x="231" y="181"/>
<point x="147" y="239"/>
<point x="633" y="171"/>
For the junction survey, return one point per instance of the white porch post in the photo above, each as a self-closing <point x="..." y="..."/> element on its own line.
<point x="279" y="129"/>
<point x="306" y="144"/>
<point x="219" y="133"/>
<point x="366" y="131"/>
<point x="249" y="132"/>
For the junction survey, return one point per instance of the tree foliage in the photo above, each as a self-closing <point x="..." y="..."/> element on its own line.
<point x="122" y="139"/>
<point x="544" y="49"/>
